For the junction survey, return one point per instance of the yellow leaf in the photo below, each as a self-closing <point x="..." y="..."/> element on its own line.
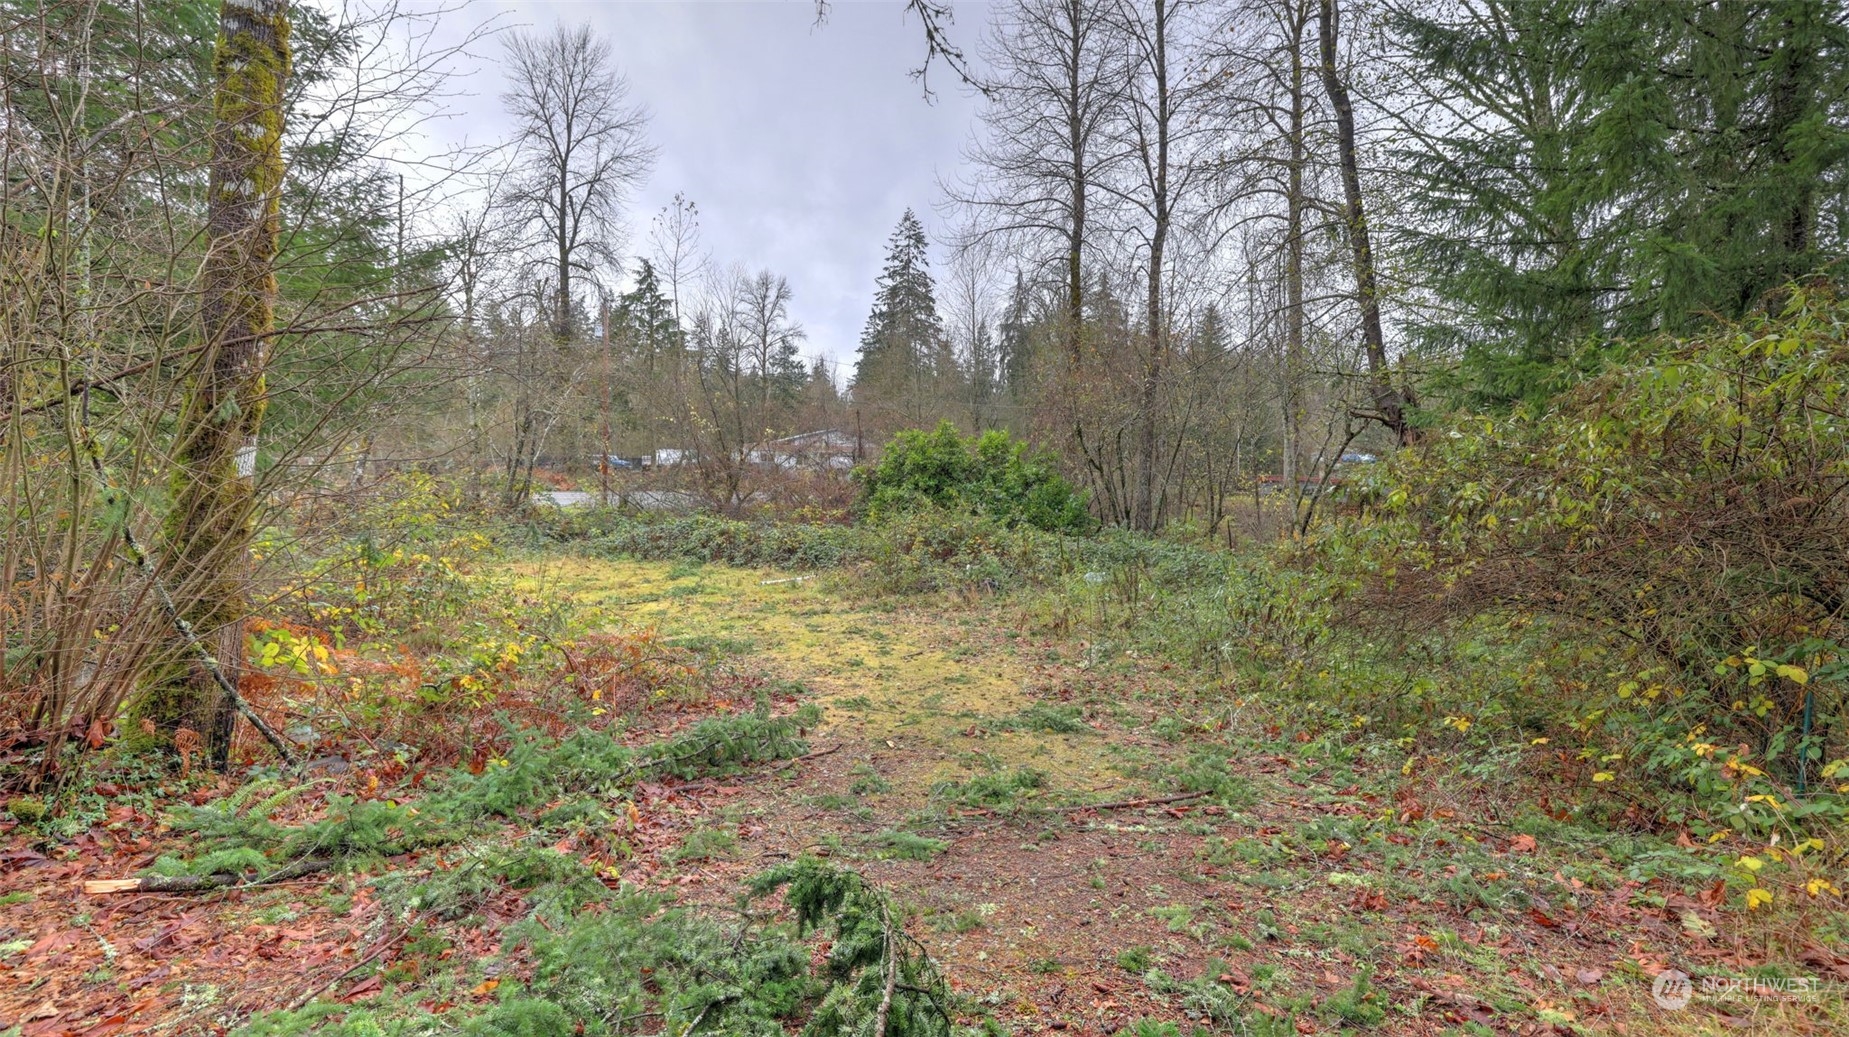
<point x="1755" y="898"/>
<point x="1794" y="674"/>
<point x="486" y="986"/>
<point x="1604" y="776"/>
<point x="1819" y="886"/>
<point x="1750" y="863"/>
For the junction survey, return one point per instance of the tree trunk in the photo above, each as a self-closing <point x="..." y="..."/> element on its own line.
<point x="1293" y="255"/>
<point x="1076" y="141"/>
<point x="208" y="532"/>
<point x="1143" y="514"/>
<point x="1389" y="403"/>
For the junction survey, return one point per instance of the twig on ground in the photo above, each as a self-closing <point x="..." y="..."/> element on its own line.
<point x="692" y="1026"/>
<point x="892" y="974"/>
<point x="350" y="970"/>
<point x="1130" y="804"/>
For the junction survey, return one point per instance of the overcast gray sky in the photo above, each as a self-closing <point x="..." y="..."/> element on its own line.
<point x="800" y="144"/>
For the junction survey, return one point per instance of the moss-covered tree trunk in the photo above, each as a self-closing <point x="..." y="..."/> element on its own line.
<point x="207" y="535"/>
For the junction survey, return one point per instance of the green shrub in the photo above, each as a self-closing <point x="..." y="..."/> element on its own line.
<point x="992" y="475"/>
<point x="1676" y="521"/>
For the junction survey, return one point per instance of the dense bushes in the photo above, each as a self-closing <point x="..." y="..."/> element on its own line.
<point x="1686" y="512"/>
<point x="992" y="475"/>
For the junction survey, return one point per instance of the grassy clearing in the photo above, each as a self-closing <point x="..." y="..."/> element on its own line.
<point x="1390" y="846"/>
<point x="1174" y="796"/>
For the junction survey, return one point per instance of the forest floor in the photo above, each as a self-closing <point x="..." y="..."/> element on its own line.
<point x="1084" y="845"/>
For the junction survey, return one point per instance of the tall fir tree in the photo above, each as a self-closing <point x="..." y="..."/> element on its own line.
<point x="1014" y="344"/>
<point x="1210" y="340"/>
<point x="645" y="319"/>
<point x="1617" y="169"/>
<point x="903" y="348"/>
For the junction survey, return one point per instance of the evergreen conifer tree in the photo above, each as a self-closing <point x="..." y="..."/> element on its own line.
<point x="645" y="317"/>
<point x="1014" y="345"/>
<point x="901" y="348"/>
<point x="1618" y="169"/>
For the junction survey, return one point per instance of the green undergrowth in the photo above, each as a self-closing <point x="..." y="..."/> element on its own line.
<point x="240" y="836"/>
<point x="905" y="553"/>
<point x="808" y="946"/>
<point x="534" y="773"/>
<point x="1041" y="717"/>
<point x="1009" y="790"/>
<point x="1495" y="698"/>
<point x="573" y="780"/>
<point x="585" y="959"/>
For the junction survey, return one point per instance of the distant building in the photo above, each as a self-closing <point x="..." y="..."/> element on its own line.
<point x="824" y="450"/>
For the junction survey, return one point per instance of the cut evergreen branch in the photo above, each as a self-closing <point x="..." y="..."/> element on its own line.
<point x="241" y="842"/>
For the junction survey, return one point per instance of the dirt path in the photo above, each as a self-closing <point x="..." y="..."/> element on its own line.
<point x="1031" y="910"/>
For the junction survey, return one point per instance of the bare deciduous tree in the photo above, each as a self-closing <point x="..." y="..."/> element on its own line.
<point x="580" y="150"/>
<point x="1055" y="83"/>
<point x="1168" y="179"/>
<point x="1389" y="402"/>
<point x="674" y="246"/>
